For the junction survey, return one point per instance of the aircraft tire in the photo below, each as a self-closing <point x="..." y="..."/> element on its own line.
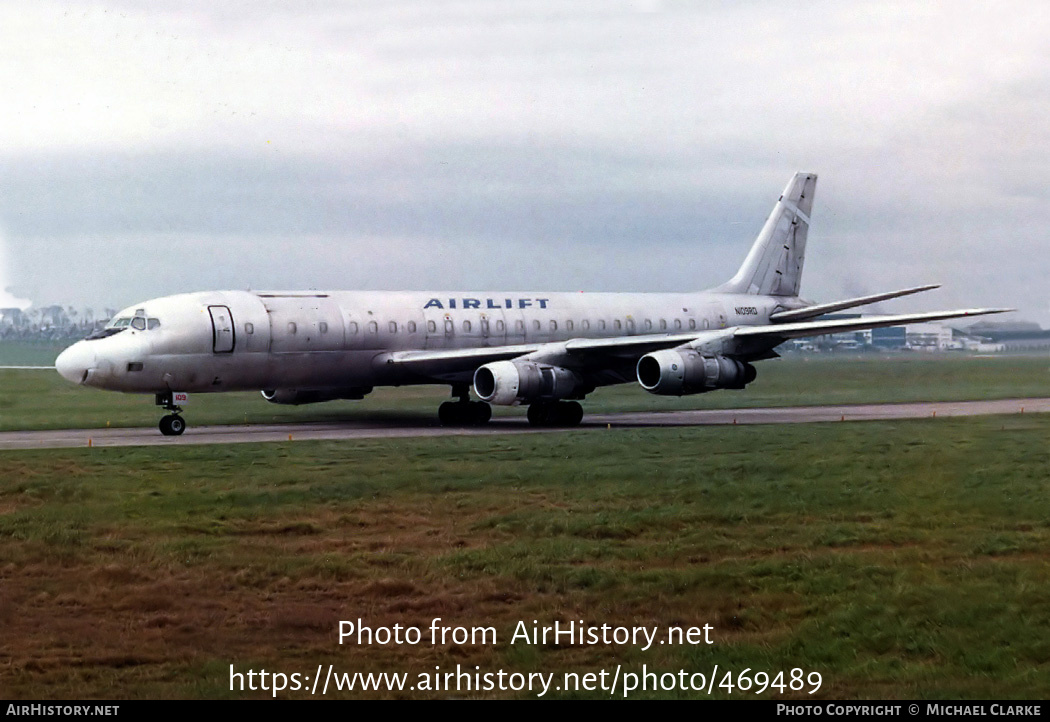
<point x="559" y="413"/>
<point x="459" y="413"/>
<point x="572" y="413"/>
<point x="539" y="413"/>
<point x="480" y="413"/>
<point x="172" y="425"/>
<point x="447" y="414"/>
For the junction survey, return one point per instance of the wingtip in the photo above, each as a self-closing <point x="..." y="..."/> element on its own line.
<point x="987" y="311"/>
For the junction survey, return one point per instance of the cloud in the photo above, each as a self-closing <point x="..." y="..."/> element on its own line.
<point x="7" y="299"/>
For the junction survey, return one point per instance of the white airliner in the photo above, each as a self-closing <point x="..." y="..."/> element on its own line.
<point x="546" y="350"/>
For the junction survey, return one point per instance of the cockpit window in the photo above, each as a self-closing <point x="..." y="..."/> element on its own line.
<point x="103" y="333"/>
<point x="139" y="323"/>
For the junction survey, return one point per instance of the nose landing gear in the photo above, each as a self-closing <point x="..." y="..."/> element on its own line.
<point x="172" y="424"/>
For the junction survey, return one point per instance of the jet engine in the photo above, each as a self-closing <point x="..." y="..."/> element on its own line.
<point x="678" y="372"/>
<point x="509" y="383"/>
<point x="296" y="397"/>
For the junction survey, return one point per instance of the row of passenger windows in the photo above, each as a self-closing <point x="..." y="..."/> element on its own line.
<point x="519" y="326"/>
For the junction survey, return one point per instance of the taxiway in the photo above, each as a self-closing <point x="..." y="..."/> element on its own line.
<point x="409" y="426"/>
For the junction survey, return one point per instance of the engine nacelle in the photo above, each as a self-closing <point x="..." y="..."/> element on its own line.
<point x="677" y="372"/>
<point x="296" y="397"/>
<point x="508" y="383"/>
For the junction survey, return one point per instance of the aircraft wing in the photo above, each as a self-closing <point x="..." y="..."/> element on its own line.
<point x="785" y="331"/>
<point x="575" y="352"/>
<point x="807" y="312"/>
<point x="610" y="352"/>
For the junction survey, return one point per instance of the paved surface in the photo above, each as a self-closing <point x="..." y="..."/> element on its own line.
<point x="416" y="425"/>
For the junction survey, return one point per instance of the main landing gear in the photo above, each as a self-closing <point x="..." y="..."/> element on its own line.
<point x="172" y="424"/>
<point x="556" y="413"/>
<point x="464" y="412"/>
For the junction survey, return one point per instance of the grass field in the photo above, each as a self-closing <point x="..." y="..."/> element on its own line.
<point x="898" y="560"/>
<point x="30" y="353"/>
<point x="43" y="400"/>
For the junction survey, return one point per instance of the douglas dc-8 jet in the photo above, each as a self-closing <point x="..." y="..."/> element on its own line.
<point x="543" y="350"/>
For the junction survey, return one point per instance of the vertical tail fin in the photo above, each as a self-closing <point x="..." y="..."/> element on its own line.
<point x="773" y="267"/>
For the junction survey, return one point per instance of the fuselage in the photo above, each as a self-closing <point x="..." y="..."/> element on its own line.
<point x="243" y="340"/>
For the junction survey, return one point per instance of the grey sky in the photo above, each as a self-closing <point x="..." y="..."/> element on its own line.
<point x="546" y="145"/>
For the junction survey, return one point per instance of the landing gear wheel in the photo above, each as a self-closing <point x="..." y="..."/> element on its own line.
<point x="464" y="413"/>
<point x="573" y="413"/>
<point x="447" y="413"/>
<point x="481" y="413"/>
<point x="539" y="413"/>
<point x="555" y="414"/>
<point x="172" y="425"/>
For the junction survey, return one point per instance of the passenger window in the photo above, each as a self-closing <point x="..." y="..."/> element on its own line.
<point x="617" y="324"/>
<point x="393" y="327"/>
<point x="601" y="325"/>
<point x="249" y="328"/>
<point x="519" y="326"/>
<point x="678" y="324"/>
<point x="138" y="323"/>
<point x="353" y="327"/>
<point x="373" y="327"/>
<point x="536" y="325"/>
<point x="411" y="326"/>
<point x="466" y="327"/>
<point x="554" y="325"/>
<point x="663" y="325"/>
<point x="322" y="327"/>
<point x="292" y="327"/>
<point x="648" y="325"/>
<point x="499" y="326"/>
<point x="630" y="325"/>
<point x="568" y="325"/>
<point x="431" y="326"/>
<point x="586" y="325"/>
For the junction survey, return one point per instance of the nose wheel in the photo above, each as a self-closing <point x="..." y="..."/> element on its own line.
<point x="172" y="424"/>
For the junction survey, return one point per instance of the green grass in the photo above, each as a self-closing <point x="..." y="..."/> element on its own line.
<point x="897" y="559"/>
<point x="30" y="353"/>
<point x="43" y="400"/>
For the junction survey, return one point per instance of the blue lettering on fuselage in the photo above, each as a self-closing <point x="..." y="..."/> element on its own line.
<point x="470" y="303"/>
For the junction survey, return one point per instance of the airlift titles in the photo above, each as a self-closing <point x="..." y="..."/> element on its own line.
<point x="469" y="303"/>
<point x="558" y="633"/>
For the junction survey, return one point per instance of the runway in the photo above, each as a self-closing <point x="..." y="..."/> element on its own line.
<point x="410" y="426"/>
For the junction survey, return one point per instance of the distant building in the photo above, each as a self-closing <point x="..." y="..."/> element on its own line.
<point x="930" y="337"/>
<point x="891" y="338"/>
<point x="1011" y="335"/>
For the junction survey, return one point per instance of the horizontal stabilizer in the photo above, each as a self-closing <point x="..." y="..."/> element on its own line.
<point x="801" y="314"/>
<point x="821" y="328"/>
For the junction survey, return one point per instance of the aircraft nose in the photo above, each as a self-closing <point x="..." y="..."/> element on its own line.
<point x="75" y="362"/>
